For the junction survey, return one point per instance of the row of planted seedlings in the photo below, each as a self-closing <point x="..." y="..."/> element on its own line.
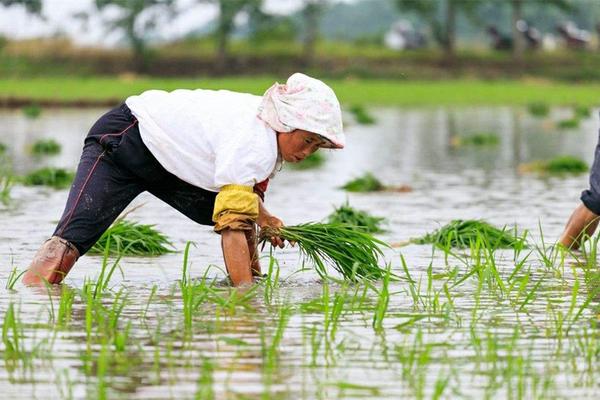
<point x="514" y="322"/>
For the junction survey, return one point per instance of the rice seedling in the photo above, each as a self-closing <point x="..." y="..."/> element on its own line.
<point x="354" y="254"/>
<point x="569" y="123"/>
<point x="366" y="183"/>
<point x="538" y="109"/>
<point x="132" y="239"/>
<point x="45" y="147"/>
<point x="13" y="278"/>
<point x="32" y="111"/>
<point x="315" y="160"/>
<point x="361" y="115"/>
<point x="3" y="148"/>
<point x="57" y="178"/>
<point x="479" y="139"/>
<point x="562" y="165"/>
<point x="360" y="220"/>
<point x="6" y="184"/>
<point x="465" y="233"/>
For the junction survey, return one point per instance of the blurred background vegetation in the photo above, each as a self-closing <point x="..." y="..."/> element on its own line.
<point x="408" y="40"/>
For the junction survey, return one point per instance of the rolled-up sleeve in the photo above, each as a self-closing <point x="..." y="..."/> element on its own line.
<point x="236" y="208"/>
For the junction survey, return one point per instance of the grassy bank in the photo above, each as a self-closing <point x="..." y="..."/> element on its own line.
<point x="350" y="91"/>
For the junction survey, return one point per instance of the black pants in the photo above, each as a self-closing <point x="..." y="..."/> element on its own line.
<point x="115" y="167"/>
<point x="591" y="196"/>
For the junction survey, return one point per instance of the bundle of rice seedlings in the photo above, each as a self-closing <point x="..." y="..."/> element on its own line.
<point x="45" y="147"/>
<point x="581" y="111"/>
<point x="32" y="111"/>
<point x="366" y="183"/>
<point x="538" y="109"/>
<point x="353" y="253"/>
<point x="558" y="166"/>
<point x="569" y="123"/>
<point x="133" y="239"/>
<point x="359" y="220"/>
<point x="314" y="160"/>
<point x="480" y="139"/>
<point x="361" y="115"/>
<point x="55" y="177"/>
<point x="463" y="233"/>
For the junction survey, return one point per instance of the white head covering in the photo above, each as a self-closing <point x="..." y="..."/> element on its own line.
<point x="304" y="103"/>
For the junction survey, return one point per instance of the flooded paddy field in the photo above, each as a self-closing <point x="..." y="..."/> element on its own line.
<point x="473" y="323"/>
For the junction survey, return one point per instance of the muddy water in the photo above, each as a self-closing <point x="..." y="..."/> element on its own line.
<point x="485" y="348"/>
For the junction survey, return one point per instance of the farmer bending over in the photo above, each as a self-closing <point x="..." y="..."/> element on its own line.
<point x="584" y="219"/>
<point x="209" y="154"/>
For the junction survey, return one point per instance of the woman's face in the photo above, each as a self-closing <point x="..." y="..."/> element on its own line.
<point x="295" y="146"/>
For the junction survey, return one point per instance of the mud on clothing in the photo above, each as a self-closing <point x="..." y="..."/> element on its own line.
<point x="591" y="196"/>
<point x="115" y="167"/>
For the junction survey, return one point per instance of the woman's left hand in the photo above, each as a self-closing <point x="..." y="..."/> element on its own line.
<point x="272" y="222"/>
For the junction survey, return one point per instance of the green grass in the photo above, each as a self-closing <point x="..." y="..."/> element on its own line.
<point x="45" y="147"/>
<point x="465" y="233"/>
<point x="357" y="219"/>
<point x="375" y="92"/>
<point x="354" y="254"/>
<point x="366" y="183"/>
<point x="361" y="115"/>
<point x="315" y="160"/>
<point x="133" y="239"/>
<point x="57" y="178"/>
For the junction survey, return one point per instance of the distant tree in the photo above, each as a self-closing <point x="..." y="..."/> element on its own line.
<point x="228" y="11"/>
<point x="441" y="17"/>
<point x="517" y="15"/>
<point x="135" y="27"/>
<point x="312" y="11"/>
<point x="32" y="6"/>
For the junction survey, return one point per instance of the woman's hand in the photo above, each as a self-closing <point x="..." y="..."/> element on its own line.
<point x="267" y="220"/>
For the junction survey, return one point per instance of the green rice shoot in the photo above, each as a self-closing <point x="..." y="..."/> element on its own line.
<point x="315" y="160"/>
<point x="3" y="148"/>
<point x="57" y="178"/>
<point x="361" y="115"/>
<point x="131" y="238"/>
<point x="45" y="147"/>
<point x="357" y="219"/>
<point x="366" y="183"/>
<point x="352" y="253"/>
<point x="466" y="233"/>
<point x="581" y="112"/>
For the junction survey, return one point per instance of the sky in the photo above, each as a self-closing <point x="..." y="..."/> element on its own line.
<point x="15" y="23"/>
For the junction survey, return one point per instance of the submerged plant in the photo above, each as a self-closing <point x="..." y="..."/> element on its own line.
<point x="357" y="219"/>
<point x="538" y="109"/>
<point x="132" y="238"/>
<point x="354" y="254"/>
<point x="58" y="178"/>
<point x="557" y="166"/>
<point x="463" y="233"/>
<point x="314" y="160"/>
<point x="45" y="147"/>
<point x="361" y="115"/>
<point x="366" y="183"/>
